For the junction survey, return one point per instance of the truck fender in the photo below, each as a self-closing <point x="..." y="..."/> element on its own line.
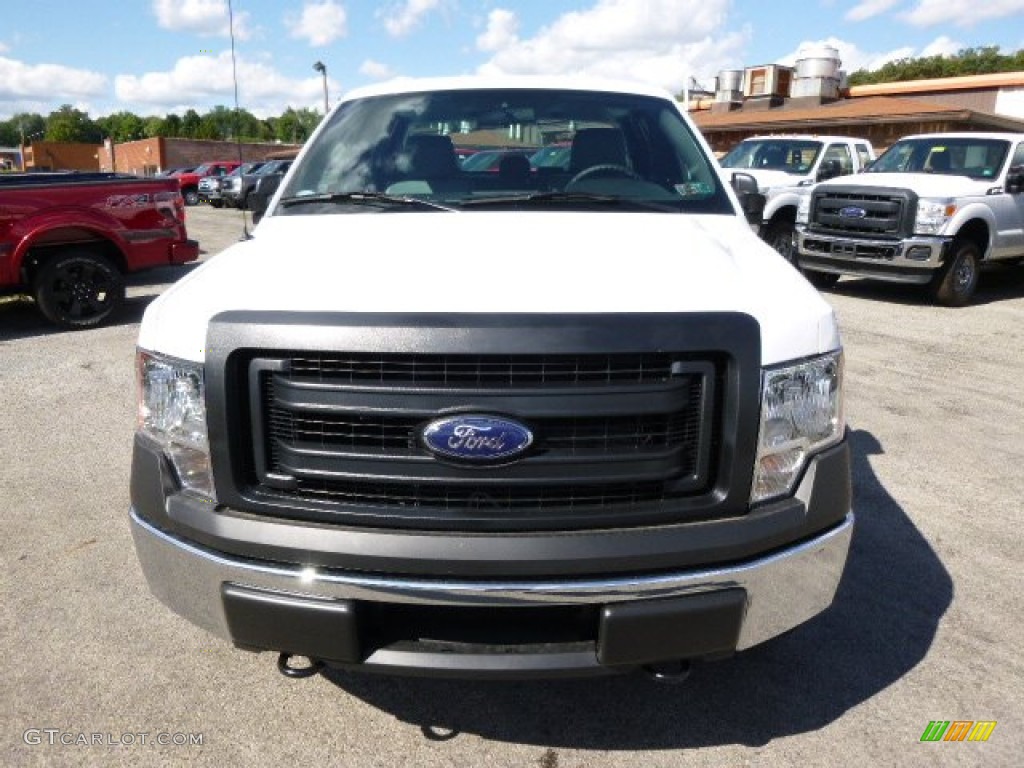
<point x="976" y="222"/>
<point x="38" y="231"/>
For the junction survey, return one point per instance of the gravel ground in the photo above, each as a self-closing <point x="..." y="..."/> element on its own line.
<point x="926" y="625"/>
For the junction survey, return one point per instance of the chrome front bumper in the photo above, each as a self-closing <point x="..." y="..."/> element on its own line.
<point x="910" y="260"/>
<point x="782" y="589"/>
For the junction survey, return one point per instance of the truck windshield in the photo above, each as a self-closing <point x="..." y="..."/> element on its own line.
<point x="789" y="155"/>
<point x="624" y="146"/>
<point x="978" y="158"/>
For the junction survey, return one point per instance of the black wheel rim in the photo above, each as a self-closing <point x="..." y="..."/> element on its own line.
<point x="964" y="274"/>
<point x="82" y="290"/>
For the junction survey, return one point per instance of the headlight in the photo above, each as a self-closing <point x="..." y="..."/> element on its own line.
<point x="933" y="215"/>
<point x="803" y="209"/>
<point x="801" y="413"/>
<point x="172" y="411"/>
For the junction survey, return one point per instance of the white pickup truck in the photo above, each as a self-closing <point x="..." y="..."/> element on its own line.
<point x="540" y="421"/>
<point x="785" y="166"/>
<point x="930" y="211"/>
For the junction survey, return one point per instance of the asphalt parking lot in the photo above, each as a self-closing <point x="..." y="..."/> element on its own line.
<point x="927" y="624"/>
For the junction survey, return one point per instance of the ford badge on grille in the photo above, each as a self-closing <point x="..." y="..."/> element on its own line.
<point x="476" y="437"/>
<point x="852" y="212"/>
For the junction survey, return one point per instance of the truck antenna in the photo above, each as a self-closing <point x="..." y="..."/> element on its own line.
<point x="238" y="131"/>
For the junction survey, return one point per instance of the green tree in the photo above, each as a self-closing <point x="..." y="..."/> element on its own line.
<point x="969" y="61"/>
<point x="70" y="124"/>
<point x="295" y="125"/>
<point x="27" y="125"/>
<point x="123" y="126"/>
<point x="190" y="124"/>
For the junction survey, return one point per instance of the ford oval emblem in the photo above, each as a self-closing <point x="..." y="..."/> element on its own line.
<point x="852" y="212"/>
<point x="476" y="438"/>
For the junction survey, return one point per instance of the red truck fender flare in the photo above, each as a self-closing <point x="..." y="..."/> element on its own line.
<point x="28" y="232"/>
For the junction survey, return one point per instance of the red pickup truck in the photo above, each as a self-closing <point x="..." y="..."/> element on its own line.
<point x="189" y="181"/>
<point x="68" y="239"/>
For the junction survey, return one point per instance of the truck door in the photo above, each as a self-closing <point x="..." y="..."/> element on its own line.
<point x="1013" y="242"/>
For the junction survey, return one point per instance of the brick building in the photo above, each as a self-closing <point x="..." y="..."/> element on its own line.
<point x="146" y="157"/>
<point x="61" y="156"/>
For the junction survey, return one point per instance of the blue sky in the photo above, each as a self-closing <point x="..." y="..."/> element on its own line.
<point x="158" y="56"/>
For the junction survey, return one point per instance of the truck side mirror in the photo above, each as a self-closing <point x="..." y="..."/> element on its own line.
<point x="265" y="188"/>
<point x="829" y="170"/>
<point x="751" y="201"/>
<point x="1015" y="180"/>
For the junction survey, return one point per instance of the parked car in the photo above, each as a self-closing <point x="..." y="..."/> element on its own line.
<point x="237" y="189"/>
<point x="189" y="181"/>
<point x="930" y="211"/>
<point x="552" y="156"/>
<point x="166" y="172"/>
<point x="425" y="423"/>
<point x="68" y="239"/>
<point x="211" y="188"/>
<point x="489" y="160"/>
<point x="785" y="166"/>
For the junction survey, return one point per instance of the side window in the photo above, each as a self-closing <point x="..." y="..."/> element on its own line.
<point x="1018" y="156"/>
<point x="841" y="153"/>
<point x="863" y="154"/>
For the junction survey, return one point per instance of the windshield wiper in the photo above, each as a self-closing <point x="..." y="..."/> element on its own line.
<point x="363" y="198"/>
<point x="544" y="198"/>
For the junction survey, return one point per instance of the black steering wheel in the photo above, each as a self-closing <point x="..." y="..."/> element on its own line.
<point x="611" y="168"/>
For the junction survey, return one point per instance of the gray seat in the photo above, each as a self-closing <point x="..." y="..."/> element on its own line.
<point x="939" y="162"/>
<point x="514" y="169"/>
<point x="597" y="146"/>
<point x="431" y="157"/>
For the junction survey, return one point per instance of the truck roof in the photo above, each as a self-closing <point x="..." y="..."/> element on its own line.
<point x="806" y="137"/>
<point x="471" y="82"/>
<point x="968" y="135"/>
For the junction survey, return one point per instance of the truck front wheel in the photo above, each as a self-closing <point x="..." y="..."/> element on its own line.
<point x="78" y="289"/>
<point x="191" y="196"/>
<point x="954" y="283"/>
<point x="779" y="235"/>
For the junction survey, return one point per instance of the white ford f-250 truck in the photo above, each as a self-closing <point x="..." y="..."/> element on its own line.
<point x="543" y="421"/>
<point x="931" y="210"/>
<point x="785" y="166"/>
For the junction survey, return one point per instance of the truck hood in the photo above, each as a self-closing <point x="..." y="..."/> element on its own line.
<point x="924" y="184"/>
<point x="498" y="262"/>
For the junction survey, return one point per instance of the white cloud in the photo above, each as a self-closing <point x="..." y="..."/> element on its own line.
<point x="202" y="17"/>
<point x="27" y="82"/>
<point x="403" y="19"/>
<point x="942" y="46"/>
<point x="963" y="13"/>
<point x="659" y="41"/>
<point x="4" y="48"/>
<point x="502" y="31"/>
<point x="319" y="23"/>
<point x="376" y="70"/>
<point x="867" y="9"/>
<point x="201" y="82"/>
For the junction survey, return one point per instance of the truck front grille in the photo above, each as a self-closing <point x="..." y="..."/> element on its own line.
<point x="863" y="211"/>
<point x="613" y="434"/>
<point x="320" y="418"/>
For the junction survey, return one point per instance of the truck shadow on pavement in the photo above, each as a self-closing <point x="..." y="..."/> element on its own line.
<point x="19" y="317"/>
<point x="894" y="592"/>
<point x="996" y="283"/>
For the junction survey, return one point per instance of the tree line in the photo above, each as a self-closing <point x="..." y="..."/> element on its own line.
<point x="969" y="61"/>
<point x="293" y="126"/>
